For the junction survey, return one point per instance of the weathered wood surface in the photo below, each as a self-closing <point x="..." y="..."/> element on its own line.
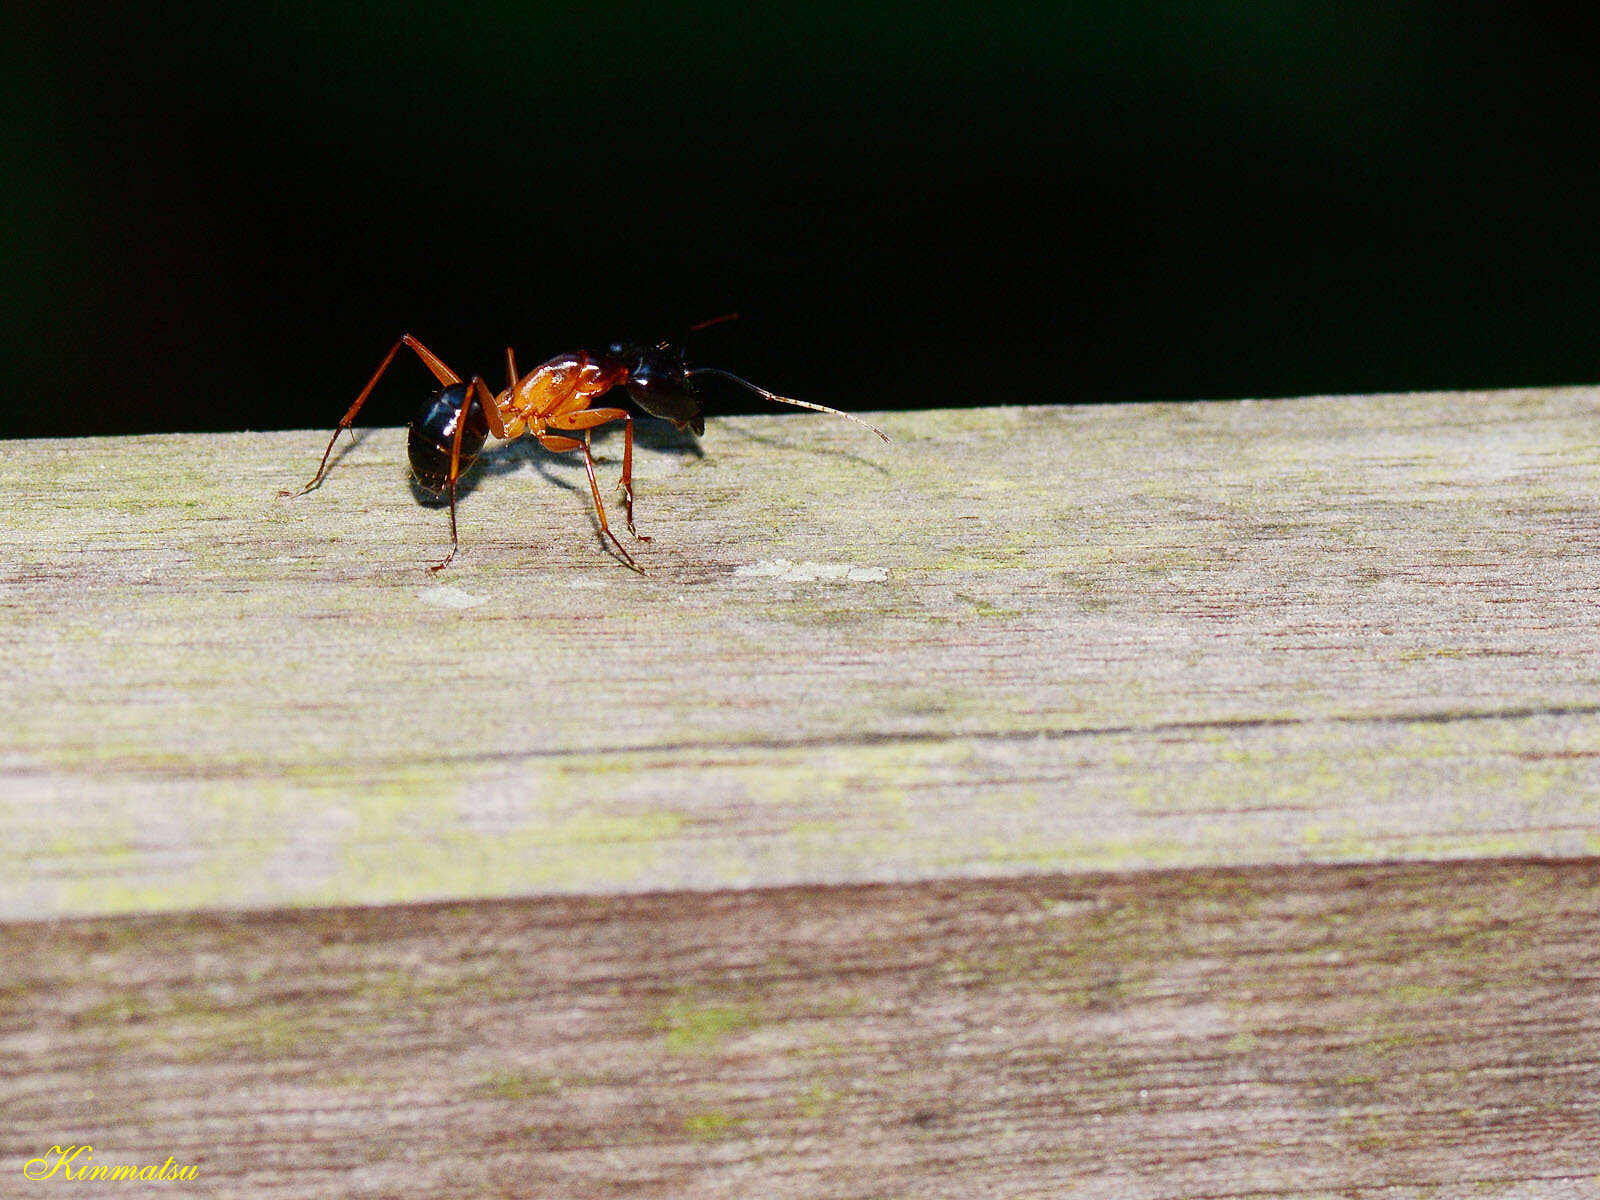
<point x="1039" y="639"/>
<point x="1412" y="1032"/>
<point x="958" y="675"/>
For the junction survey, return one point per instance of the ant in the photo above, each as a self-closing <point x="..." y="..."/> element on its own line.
<point x="551" y="402"/>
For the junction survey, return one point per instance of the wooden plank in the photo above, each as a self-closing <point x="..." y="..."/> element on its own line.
<point x="1412" y="1031"/>
<point x="1014" y="640"/>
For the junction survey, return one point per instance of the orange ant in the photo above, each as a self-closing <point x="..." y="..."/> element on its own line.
<point x="553" y="400"/>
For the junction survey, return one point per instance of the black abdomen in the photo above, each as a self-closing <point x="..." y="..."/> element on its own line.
<point x="433" y="435"/>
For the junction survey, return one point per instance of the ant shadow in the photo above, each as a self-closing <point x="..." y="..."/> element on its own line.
<point x="789" y="445"/>
<point x="564" y="468"/>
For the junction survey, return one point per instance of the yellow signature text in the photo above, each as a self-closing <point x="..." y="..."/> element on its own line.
<point x="66" y="1158"/>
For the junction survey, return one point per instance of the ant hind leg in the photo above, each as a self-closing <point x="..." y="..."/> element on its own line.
<point x="477" y="391"/>
<point x="429" y="359"/>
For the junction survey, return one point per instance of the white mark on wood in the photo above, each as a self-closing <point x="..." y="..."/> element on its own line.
<point x="449" y="597"/>
<point x="793" y="572"/>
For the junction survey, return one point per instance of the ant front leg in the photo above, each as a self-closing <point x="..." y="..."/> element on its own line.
<point x="429" y="359"/>
<point x="590" y="419"/>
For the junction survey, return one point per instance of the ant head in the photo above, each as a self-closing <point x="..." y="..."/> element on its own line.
<point x="658" y="382"/>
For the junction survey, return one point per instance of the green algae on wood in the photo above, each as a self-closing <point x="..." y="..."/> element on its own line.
<point x="1041" y="639"/>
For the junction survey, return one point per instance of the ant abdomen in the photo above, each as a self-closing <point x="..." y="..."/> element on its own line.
<point x="433" y="434"/>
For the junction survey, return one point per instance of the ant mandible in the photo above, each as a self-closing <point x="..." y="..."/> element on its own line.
<point x="553" y="400"/>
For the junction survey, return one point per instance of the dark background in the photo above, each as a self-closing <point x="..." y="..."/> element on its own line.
<point x="220" y="218"/>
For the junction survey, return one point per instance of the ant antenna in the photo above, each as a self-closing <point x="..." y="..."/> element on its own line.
<point x="773" y="396"/>
<point x="733" y="316"/>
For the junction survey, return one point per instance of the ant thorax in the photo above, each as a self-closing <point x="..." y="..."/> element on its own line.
<point x="567" y="383"/>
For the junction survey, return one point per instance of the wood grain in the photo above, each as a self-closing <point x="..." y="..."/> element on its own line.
<point x="1411" y="1031"/>
<point x="1154" y="801"/>
<point x="1013" y="640"/>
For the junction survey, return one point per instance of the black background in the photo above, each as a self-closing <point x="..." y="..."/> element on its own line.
<point x="220" y="218"/>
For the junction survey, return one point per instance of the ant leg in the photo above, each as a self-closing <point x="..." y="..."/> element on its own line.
<point x="511" y="369"/>
<point x="593" y="417"/>
<point x="429" y="359"/>
<point x="476" y="391"/>
<point x="558" y="444"/>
